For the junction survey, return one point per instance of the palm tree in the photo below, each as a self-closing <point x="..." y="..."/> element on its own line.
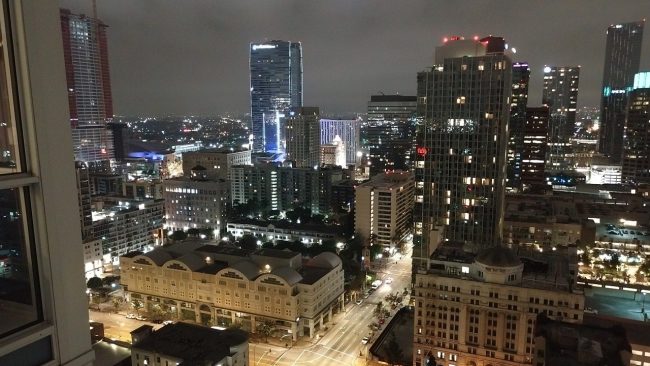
<point x="266" y="328"/>
<point x="117" y="301"/>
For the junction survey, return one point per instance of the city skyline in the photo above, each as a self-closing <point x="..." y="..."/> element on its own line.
<point x="369" y="49"/>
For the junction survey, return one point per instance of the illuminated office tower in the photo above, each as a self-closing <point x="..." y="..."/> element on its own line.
<point x="534" y="142"/>
<point x="90" y="98"/>
<point x="276" y="86"/>
<point x="302" y="133"/>
<point x="389" y="132"/>
<point x="622" y="58"/>
<point x="560" y="96"/>
<point x="348" y="130"/>
<point x="518" y="102"/>
<point x="636" y="150"/>
<point x="461" y="142"/>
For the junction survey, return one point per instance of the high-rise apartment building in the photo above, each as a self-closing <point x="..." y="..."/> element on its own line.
<point x="383" y="209"/>
<point x="560" y="95"/>
<point x="275" y="87"/>
<point x="389" y="132"/>
<point x="518" y="103"/>
<point x="480" y="309"/>
<point x="461" y="142"/>
<point x="347" y="130"/>
<point x="534" y="146"/>
<point x="622" y="59"/>
<point x="302" y="134"/>
<point x="43" y="307"/>
<point x="636" y="151"/>
<point x="89" y="86"/>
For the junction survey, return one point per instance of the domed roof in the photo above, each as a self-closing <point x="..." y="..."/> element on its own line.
<point x="498" y="256"/>
<point x="325" y="260"/>
<point x="288" y="274"/>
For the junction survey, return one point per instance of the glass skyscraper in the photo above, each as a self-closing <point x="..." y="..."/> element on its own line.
<point x="518" y="103"/>
<point x="463" y="111"/>
<point x="636" y="150"/>
<point x="275" y="86"/>
<point x="560" y="95"/>
<point x="389" y="132"/>
<point x="90" y="98"/>
<point x="622" y="58"/>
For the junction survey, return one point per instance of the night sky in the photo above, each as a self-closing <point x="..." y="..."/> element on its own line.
<point x="191" y="57"/>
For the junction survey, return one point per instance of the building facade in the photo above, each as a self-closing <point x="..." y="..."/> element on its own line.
<point x="216" y="162"/>
<point x="481" y="309"/>
<point x="307" y="234"/>
<point x="90" y="97"/>
<point x="517" y="122"/>
<point x="622" y="59"/>
<point x="273" y="187"/>
<point x="532" y="160"/>
<point x="275" y="87"/>
<point x="560" y="95"/>
<point x="461" y="142"/>
<point x="188" y="344"/>
<point x="302" y="134"/>
<point x="388" y="134"/>
<point x="636" y="149"/>
<point x="348" y="130"/>
<point x="224" y="285"/>
<point x="124" y="226"/>
<point x="383" y="209"/>
<point x="192" y="203"/>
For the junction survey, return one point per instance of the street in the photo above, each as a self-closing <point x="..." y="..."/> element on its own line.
<point x="339" y="345"/>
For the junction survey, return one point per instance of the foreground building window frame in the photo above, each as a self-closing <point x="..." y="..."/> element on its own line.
<point x="41" y="173"/>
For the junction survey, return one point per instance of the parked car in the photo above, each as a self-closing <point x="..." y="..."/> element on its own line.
<point x="389" y="280"/>
<point x="358" y="302"/>
<point x="365" y="340"/>
<point x="166" y="322"/>
<point x="140" y="317"/>
<point x="130" y="316"/>
<point x="591" y="311"/>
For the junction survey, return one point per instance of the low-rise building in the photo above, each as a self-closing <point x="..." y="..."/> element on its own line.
<point x="143" y="189"/>
<point x="188" y="344"/>
<point x="93" y="258"/>
<point x="480" y="309"/>
<point x="222" y="285"/>
<point x="281" y="230"/>
<point x="559" y="343"/>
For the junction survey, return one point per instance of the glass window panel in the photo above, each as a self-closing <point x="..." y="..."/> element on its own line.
<point x="9" y="134"/>
<point x="19" y="302"/>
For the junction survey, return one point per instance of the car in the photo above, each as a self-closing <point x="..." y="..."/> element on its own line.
<point x="365" y="296"/>
<point x="157" y="321"/>
<point x="358" y="302"/>
<point x="591" y="311"/>
<point x="167" y="322"/>
<point x="382" y="321"/>
<point x="130" y="316"/>
<point x="365" y="340"/>
<point x="389" y="280"/>
<point x="140" y="317"/>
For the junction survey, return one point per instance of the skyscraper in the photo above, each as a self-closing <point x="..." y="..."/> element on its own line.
<point x="518" y="102"/>
<point x="89" y="87"/>
<point x="389" y="132"/>
<point x="303" y="136"/>
<point x="636" y="151"/>
<point x="533" y="153"/>
<point x="461" y="142"/>
<point x="349" y="132"/>
<point x="622" y="58"/>
<point x="560" y="96"/>
<point x="275" y="86"/>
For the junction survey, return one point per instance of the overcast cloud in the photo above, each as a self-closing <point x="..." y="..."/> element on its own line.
<point x="191" y="56"/>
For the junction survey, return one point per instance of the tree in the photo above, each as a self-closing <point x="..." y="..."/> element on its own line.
<point x="137" y="304"/>
<point x="378" y="309"/>
<point x="266" y="328"/>
<point x="116" y="301"/>
<point x="109" y="280"/>
<point x="95" y="283"/>
<point x="193" y="232"/>
<point x="248" y="242"/>
<point x="178" y="235"/>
